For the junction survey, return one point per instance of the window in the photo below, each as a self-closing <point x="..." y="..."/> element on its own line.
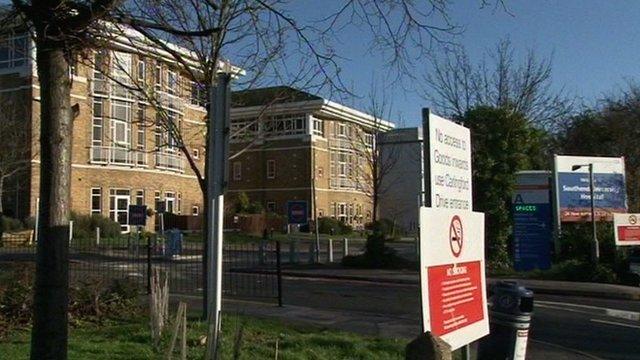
<point x="142" y="137"/>
<point x="237" y="170"/>
<point x="139" y="197"/>
<point x="341" y="129"/>
<point x="320" y="172"/>
<point x="121" y="123"/>
<point x="318" y="127"/>
<point x="158" y="201"/>
<point x="271" y="206"/>
<point x="141" y="70"/>
<point x="198" y="94"/>
<point x="98" y="114"/>
<point x="170" y="202"/>
<point x="96" y="201"/>
<point x="172" y="82"/>
<point x="14" y="51"/>
<point x="196" y="153"/>
<point x="195" y="210"/>
<point x="99" y="64"/>
<point x="271" y="169"/>
<point x="179" y="207"/>
<point x="119" y="200"/>
<point x="157" y="76"/>
<point x="368" y="139"/>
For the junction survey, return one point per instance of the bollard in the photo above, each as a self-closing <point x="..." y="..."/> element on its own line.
<point x="312" y="255"/>
<point x="345" y="247"/>
<point x="293" y="255"/>
<point x="509" y="320"/>
<point x="330" y="250"/>
<point x="98" y="236"/>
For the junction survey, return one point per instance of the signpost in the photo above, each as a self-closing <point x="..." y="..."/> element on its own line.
<point x="448" y="164"/>
<point x="532" y="221"/>
<point x="454" y="303"/>
<point x="452" y="276"/>
<point x="138" y="215"/>
<point x="626" y="229"/>
<point x="297" y="212"/>
<point x="572" y="188"/>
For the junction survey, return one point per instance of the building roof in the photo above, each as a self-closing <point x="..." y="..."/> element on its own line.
<point x="285" y="99"/>
<point x="270" y="95"/>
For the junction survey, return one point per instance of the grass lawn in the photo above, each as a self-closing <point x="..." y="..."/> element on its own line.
<point x="131" y="340"/>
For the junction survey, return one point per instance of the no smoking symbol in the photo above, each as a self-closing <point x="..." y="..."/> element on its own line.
<point x="455" y="236"/>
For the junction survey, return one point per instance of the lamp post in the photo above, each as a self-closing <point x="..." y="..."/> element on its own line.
<point x="595" y="251"/>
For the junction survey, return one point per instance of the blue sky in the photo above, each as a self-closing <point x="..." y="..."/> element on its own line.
<point x="595" y="46"/>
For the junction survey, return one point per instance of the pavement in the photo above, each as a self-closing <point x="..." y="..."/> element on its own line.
<point x="607" y="291"/>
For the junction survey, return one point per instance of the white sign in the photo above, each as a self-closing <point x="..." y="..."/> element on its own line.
<point x="450" y="164"/>
<point x="626" y="229"/>
<point x="454" y="300"/>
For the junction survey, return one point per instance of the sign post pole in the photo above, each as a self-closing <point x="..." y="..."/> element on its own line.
<point x="596" y="247"/>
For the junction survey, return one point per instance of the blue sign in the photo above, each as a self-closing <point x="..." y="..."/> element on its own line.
<point x="574" y="195"/>
<point x="532" y="236"/>
<point x="297" y="212"/>
<point x="138" y="215"/>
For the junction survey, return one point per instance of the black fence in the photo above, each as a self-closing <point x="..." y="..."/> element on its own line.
<point x="250" y="270"/>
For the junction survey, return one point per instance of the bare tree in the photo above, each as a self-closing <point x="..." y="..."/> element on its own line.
<point x="16" y="154"/>
<point x="454" y="85"/>
<point x="372" y="165"/>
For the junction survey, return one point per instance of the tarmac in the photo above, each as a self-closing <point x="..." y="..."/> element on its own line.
<point x="389" y="326"/>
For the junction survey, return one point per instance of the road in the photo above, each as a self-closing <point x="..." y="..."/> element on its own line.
<point x="580" y="327"/>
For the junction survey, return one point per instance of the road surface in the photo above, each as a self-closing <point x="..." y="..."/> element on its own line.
<point x="562" y="327"/>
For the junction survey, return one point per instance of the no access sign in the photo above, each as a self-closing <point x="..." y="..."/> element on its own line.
<point x="454" y="301"/>
<point x="627" y="229"/>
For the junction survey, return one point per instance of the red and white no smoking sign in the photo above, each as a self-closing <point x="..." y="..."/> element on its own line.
<point x="454" y="303"/>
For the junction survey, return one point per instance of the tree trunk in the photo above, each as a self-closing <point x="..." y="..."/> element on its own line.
<point x="51" y="298"/>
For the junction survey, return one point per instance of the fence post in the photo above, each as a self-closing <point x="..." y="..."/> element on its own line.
<point x="279" y="271"/>
<point x="312" y="255"/>
<point x="345" y="247"/>
<point x="330" y="250"/>
<point x="70" y="231"/>
<point x="148" y="264"/>
<point x="261" y="254"/>
<point x="293" y="255"/>
<point x="98" y="235"/>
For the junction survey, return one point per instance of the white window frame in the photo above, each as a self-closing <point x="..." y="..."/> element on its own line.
<point x="142" y="70"/>
<point x="124" y="123"/>
<point x="271" y="206"/>
<point x="139" y="194"/>
<point x="113" y="212"/>
<point x="97" y="123"/>
<point x="195" y="210"/>
<point x="196" y="153"/>
<point x="271" y="169"/>
<point x="96" y="192"/>
<point x="170" y="198"/>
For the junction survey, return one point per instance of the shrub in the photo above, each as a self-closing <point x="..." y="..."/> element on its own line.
<point x="385" y="226"/>
<point x="377" y="255"/>
<point x="339" y="228"/>
<point x="11" y="224"/>
<point x="84" y="226"/>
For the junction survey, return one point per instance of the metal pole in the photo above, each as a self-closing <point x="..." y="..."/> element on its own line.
<point x="217" y="180"/>
<point x="426" y="159"/>
<point x="314" y="205"/>
<point x="279" y="270"/>
<point x="330" y="250"/>
<point x="36" y="229"/>
<point x="595" y="255"/>
<point x="148" y="264"/>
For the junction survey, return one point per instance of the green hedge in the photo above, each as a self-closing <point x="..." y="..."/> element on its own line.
<point x="84" y="226"/>
<point x="325" y="224"/>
